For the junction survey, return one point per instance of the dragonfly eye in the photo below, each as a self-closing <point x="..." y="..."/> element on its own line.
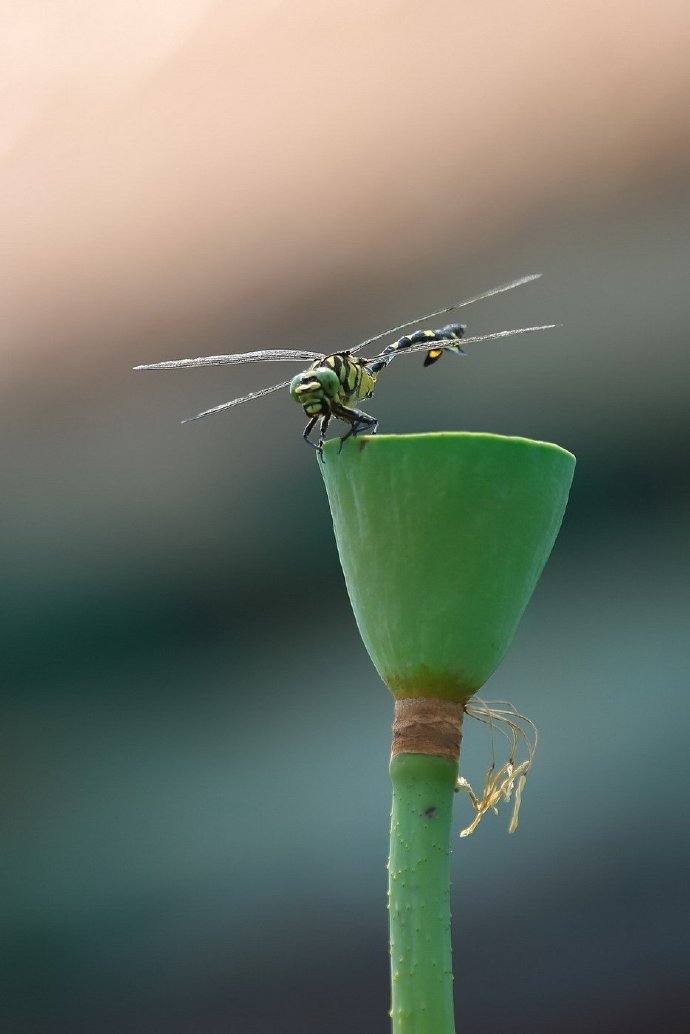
<point x="329" y="381"/>
<point x="298" y="385"/>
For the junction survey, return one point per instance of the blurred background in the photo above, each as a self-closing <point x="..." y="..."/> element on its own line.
<point x="195" y="795"/>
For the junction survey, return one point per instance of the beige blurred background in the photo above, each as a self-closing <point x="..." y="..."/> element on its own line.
<point x="191" y="177"/>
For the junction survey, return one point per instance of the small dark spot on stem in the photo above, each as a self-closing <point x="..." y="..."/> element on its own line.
<point x="430" y="812"/>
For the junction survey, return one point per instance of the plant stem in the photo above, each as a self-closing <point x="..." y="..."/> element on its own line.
<point x="419" y="894"/>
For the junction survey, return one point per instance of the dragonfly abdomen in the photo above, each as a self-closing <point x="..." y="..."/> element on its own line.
<point x="451" y="332"/>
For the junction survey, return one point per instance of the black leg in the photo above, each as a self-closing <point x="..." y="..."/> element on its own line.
<point x="357" y="420"/>
<point x="308" y="429"/>
<point x="322" y="431"/>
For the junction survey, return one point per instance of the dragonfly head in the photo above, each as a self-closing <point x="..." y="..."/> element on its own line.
<point x="312" y="385"/>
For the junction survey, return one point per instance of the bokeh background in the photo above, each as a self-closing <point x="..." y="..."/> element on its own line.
<point x="195" y="797"/>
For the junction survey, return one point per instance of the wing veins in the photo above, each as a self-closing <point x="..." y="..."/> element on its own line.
<point x="455" y="344"/>
<point x="265" y="355"/>
<point x="449" y="308"/>
<point x="237" y="402"/>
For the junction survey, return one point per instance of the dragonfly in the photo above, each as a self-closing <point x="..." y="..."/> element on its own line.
<point x="331" y="386"/>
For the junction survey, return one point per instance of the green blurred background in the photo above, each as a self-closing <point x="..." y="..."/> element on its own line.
<point x="195" y="795"/>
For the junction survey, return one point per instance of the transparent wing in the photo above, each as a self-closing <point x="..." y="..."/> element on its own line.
<point x="238" y="402"/>
<point x="449" y="308"/>
<point x="266" y="355"/>
<point x="455" y="345"/>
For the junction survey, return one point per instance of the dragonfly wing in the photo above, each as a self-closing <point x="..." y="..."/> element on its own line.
<point x="265" y="355"/>
<point x="449" y="308"/>
<point x="455" y="345"/>
<point x="497" y="290"/>
<point x="238" y="402"/>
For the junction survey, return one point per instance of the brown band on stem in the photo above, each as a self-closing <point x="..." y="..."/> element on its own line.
<point x="426" y="725"/>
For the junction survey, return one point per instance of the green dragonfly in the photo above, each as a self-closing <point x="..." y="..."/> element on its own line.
<point x="333" y="382"/>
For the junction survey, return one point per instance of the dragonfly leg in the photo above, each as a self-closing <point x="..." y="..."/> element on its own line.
<point x="308" y="430"/>
<point x="325" y="420"/>
<point x="357" y="420"/>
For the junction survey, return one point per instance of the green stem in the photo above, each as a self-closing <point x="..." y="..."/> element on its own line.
<point x="419" y="894"/>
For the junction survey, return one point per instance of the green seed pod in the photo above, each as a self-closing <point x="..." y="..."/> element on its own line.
<point x="442" y="538"/>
